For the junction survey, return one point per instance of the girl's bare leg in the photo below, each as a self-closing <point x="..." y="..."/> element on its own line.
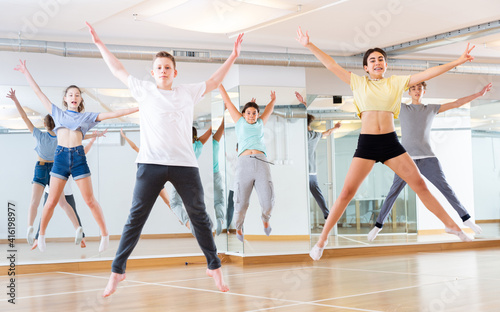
<point x="56" y="189"/>
<point x="36" y="196"/>
<point x="358" y="171"/>
<point x="85" y="186"/>
<point x="406" y="169"/>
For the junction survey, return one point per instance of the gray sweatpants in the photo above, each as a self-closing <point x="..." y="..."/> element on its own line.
<point x="252" y="171"/>
<point x="431" y="169"/>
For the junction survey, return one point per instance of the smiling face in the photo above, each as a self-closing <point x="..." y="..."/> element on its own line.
<point x="376" y="65"/>
<point x="251" y="115"/>
<point x="164" y="72"/>
<point x="73" y="99"/>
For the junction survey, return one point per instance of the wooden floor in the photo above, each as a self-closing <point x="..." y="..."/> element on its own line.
<point x="465" y="280"/>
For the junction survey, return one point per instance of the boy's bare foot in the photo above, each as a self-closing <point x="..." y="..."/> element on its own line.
<point x="219" y="281"/>
<point x="35" y="244"/>
<point x="113" y="281"/>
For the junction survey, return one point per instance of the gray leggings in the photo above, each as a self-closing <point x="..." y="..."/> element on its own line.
<point x="252" y="171"/>
<point x="431" y="169"/>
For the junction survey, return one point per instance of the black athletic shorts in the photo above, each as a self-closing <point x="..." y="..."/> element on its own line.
<point x="379" y="147"/>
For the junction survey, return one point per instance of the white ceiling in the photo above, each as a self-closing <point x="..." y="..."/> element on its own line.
<point x="340" y="27"/>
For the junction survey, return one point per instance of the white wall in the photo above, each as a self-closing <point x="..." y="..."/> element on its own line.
<point x="486" y="167"/>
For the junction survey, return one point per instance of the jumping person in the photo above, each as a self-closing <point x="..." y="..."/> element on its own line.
<point x="313" y="138"/>
<point x="46" y="143"/>
<point x="69" y="203"/>
<point x="416" y="120"/>
<point x="166" y="153"/>
<point x="253" y="169"/>
<point x="71" y="125"/>
<point x="378" y="100"/>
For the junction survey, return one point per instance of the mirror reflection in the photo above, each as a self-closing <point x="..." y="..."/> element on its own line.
<point x="457" y="137"/>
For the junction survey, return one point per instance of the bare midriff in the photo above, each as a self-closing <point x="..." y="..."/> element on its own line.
<point x="377" y="122"/>
<point x="251" y="152"/>
<point x="69" y="138"/>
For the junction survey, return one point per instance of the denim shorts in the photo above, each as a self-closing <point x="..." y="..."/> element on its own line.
<point x="70" y="161"/>
<point x="42" y="173"/>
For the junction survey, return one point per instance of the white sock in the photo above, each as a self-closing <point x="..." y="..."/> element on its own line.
<point x="373" y="233"/>
<point x="461" y="234"/>
<point x="476" y="228"/>
<point x="41" y="243"/>
<point x="104" y="243"/>
<point x="29" y="235"/>
<point x="78" y="235"/>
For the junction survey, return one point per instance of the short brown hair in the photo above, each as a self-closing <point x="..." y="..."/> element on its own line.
<point x="165" y="54"/>
<point x="49" y="122"/>
<point x="423" y="83"/>
<point x="310" y="118"/>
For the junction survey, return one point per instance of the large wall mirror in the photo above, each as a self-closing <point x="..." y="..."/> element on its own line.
<point x="463" y="139"/>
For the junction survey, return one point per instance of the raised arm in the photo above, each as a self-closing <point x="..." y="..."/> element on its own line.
<point x="441" y="69"/>
<point x="269" y="108"/>
<point x="204" y="138"/>
<point x="12" y="95"/>
<point x="233" y="111"/>
<point x="300" y="98"/>
<point x="129" y="141"/>
<point x="34" y="86"/>
<point x="464" y="100"/>
<point x="113" y="63"/>
<point x="324" y="58"/>
<point x="117" y="113"/>
<point x="87" y="147"/>
<point x="218" y="134"/>
<point x="330" y="131"/>
<point x="216" y="79"/>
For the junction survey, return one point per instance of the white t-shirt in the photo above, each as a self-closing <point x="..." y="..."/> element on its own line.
<point x="166" y="122"/>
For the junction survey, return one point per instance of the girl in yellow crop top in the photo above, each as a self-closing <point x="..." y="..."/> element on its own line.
<point x="377" y="100"/>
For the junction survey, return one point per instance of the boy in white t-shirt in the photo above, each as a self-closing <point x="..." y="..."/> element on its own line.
<point x="166" y="153"/>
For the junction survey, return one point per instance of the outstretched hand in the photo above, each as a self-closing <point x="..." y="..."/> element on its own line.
<point x="466" y="57"/>
<point x="122" y="134"/>
<point x="273" y="95"/>
<point x="101" y="134"/>
<point x="302" y="38"/>
<point x="95" y="37"/>
<point x="21" y="67"/>
<point x="237" y="45"/>
<point x="12" y="95"/>
<point x="253" y="100"/>
<point x="485" y="89"/>
<point x="300" y="98"/>
<point x="337" y="125"/>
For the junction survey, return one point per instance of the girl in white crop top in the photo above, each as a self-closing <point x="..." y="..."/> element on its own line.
<point x="69" y="138"/>
<point x="377" y="119"/>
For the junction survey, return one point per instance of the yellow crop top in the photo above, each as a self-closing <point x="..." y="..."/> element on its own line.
<point x="378" y="95"/>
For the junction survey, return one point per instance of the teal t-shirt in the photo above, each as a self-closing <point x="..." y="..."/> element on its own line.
<point x="215" y="149"/>
<point x="197" y="146"/>
<point x="250" y="136"/>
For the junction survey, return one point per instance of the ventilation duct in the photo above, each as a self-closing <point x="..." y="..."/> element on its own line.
<point x="74" y="49"/>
